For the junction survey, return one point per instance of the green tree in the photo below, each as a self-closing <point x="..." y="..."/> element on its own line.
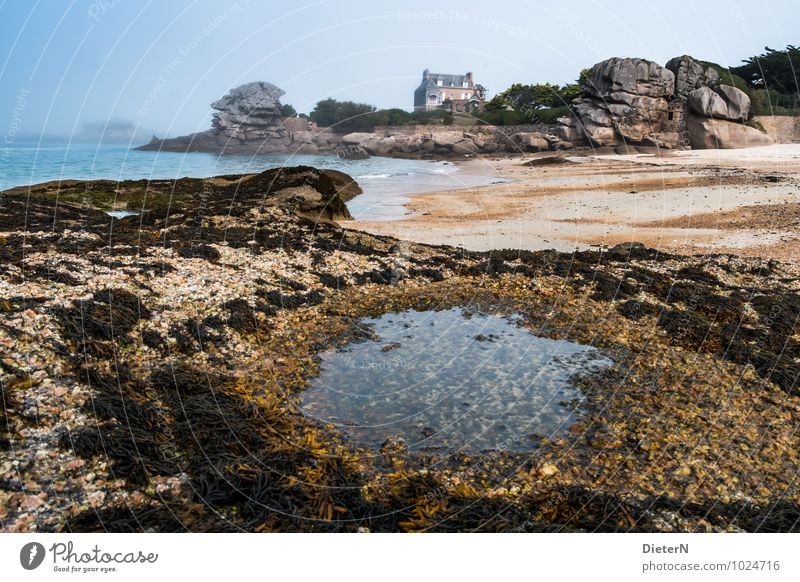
<point x="288" y="111"/>
<point x="343" y="116"/>
<point x="775" y="70"/>
<point x="496" y="103"/>
<point x="538" y="96"/>
<point x="390" y="117"/>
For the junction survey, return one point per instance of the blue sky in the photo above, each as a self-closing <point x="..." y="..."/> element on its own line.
<point x="159" y="64"/>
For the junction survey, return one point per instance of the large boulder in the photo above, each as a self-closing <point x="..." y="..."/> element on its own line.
<point x="446" y="139"/>
<point x="250" y="111"/>
<point x="622" y="80"/>
<point x="725" y="103"/>
<point x="531" y="141"/>
<point x="704" y="101"/>
<point x="357" y="138"/>
<point x="736" y="101"/>
<point x="690" y="74"/>
<point x="625" y="100"/>
<point x="709" y="133"/>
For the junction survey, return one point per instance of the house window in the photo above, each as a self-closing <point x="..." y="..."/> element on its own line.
<point x="432" y="98"/>
<point x="671" y="115"/>
<point x="439" y="82"/>
<point x="464" y="85"/>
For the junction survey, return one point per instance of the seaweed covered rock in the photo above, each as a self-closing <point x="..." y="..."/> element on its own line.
<point x="309" y="192"/>
<point x="317" y="195"/>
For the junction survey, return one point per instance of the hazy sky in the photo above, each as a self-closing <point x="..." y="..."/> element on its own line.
<point x="159" y="64"/>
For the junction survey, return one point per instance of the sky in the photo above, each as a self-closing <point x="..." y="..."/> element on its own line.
<point x="67" y="67"/>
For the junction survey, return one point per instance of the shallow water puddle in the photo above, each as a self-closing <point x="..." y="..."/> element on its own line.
<point x="450" y="379"/>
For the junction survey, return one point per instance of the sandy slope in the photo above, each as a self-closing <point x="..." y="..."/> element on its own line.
<point x="742" y="201"/>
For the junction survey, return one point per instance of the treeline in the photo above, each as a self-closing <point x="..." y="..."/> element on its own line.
<point x="348" y="116"/>
<point x="770" y="80"/>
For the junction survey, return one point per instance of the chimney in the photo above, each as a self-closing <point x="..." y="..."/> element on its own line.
<point x="469" y="78"/>
<point x="425" y="74"/>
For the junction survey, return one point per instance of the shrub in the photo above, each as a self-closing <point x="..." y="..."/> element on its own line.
<point x="344" y="116"/>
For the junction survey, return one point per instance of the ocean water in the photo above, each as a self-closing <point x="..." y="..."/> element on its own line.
<point x="385" y="181"/>
<point x="451" y="380"/>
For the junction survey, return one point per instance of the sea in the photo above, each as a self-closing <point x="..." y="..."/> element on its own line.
<point x="386" y="182"/>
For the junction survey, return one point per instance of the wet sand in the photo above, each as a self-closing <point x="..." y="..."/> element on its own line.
<point x="710" y="201"/>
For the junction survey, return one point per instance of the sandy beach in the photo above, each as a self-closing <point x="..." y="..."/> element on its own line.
<point x="741" y="201"/>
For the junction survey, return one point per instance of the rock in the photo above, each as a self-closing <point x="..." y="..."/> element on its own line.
<point x="318" y="195"/>
<point x="548" y="161"/>
<point x="623" y="79"/>
<point x="465" y="146"/>
<point x="570" y="134"/>
<point x="531" y="141"/>
<point x="707" y="103"/>
<point x="247" y="119"/>
<point x="33" y="501"/>
<point x="447" y="139"/>
<point x="253" y="107"/>
<point x="346" y="187"/>
<point x="548" y="470"/>
<point x="708" y="133"/>
<point x="690" y="74"/>
<point x="736" y="101"/>
<point x="626" y="101"/>
<point x="383" y="146"/>
<point x="357" y="138"/>
<point x="666" y="139"/>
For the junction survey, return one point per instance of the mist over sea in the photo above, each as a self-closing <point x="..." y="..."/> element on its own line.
<point x="385" y="181"/>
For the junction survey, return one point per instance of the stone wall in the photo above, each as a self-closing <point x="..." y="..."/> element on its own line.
<point x="781" y="128"/>
<point x="299" y="124"/>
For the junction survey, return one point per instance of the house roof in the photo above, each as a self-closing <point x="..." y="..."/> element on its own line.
<point x="447" y="79"/>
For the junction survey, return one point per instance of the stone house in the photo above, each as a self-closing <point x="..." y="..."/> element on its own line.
<point x="458" y="93"/>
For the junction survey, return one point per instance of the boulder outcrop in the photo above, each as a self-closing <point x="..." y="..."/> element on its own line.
<point x="249" y="112"/>
<point x="634" y="101"/>
<point x="625" y="100"/>
<point x="247" y="119"/>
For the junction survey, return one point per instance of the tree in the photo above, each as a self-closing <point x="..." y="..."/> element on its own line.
<point x="538" y="96"/>
<point x="774" y="70"/>
<point x="288" y="111"/>
<point x="343" y="116"/>
<point x="496" y="103"/>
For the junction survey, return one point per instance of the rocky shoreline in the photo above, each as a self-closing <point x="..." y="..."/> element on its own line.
<point x="153" y="364"/>
<point x="627" y="102"/>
